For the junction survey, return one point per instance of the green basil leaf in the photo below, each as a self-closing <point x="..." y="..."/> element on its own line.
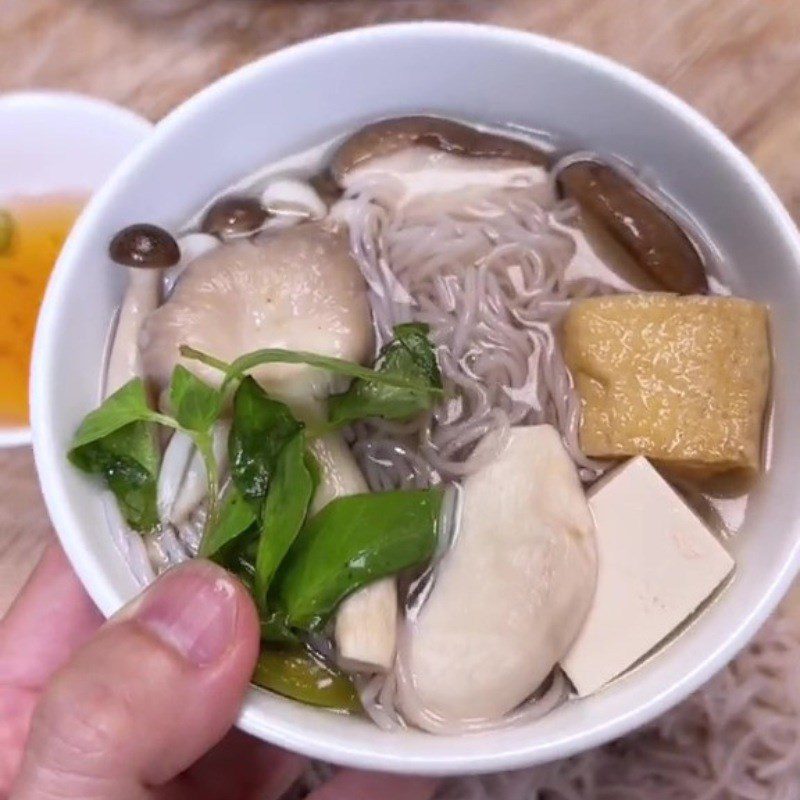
<point x="299" y="674"/>
<point x="261" y="428"/>
<point x="312" y="465"/>
<point x="285" y="509"/>
<point x="239" y="556"/>
<point x="275" y="628"/>
<point x="117" y="442"/>
<point x="234" y="518"/>
<point x="336" y="365"/>
<point x="128" y="404"/>
<point x="353" y="541"/>
<point x="195" y="404"/>
<point x="409" y="354"/>
<point x="127" y="459"/>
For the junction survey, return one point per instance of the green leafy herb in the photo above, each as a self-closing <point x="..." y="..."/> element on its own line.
<point x="235" y="518"/>
<point x="336" y="365"/>
<point x="354" y="541"/>
<point x="313" y="470"/>
<point x="270" y="470"/>
<point x="196" y="405"/>
<point x="296" y="673"/>
<point x="128" y="404"/>
<point x="6" y="230"/>
<point x="275" y="628"/>
<point x="285" y="509"/>
<point x="117" y="443"/>
<point x="409" y="354"/>
<point x="127" y="459"/>
<point x="261" y="427"/>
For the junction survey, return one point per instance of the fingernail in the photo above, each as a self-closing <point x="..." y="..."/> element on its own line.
<point x="192" y="609"/>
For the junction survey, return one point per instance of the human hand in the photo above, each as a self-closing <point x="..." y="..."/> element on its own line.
<point x="141" y="706"/>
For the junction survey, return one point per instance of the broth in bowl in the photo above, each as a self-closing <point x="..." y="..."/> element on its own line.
<point x="464" y="409"/>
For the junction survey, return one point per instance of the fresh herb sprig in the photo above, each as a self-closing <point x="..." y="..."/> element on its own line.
<point x="299" y="568"/>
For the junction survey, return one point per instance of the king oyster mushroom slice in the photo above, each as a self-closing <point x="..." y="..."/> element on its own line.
<point x="298" y="289"/>
<point x="366" y="622"/>
<point x="510" y="596"/>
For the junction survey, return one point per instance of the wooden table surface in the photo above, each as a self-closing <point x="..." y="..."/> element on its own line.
<point x="737" y="61"/>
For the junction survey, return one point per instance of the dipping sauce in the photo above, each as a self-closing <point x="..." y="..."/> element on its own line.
<point x="32" y="231"/>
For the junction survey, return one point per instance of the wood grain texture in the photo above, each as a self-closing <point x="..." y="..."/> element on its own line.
<point x="737" y="61"/>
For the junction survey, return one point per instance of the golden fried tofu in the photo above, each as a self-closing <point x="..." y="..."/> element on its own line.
<point x="681" y="380"/>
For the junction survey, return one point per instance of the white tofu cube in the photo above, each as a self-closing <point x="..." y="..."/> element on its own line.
<point x="657" y="562"/>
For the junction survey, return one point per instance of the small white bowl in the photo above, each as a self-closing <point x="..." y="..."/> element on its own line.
<point x="60" y="143"/>
<point x="302" y="95"/>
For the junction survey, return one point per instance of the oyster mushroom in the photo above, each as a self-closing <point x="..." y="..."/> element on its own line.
<point x="299" y="289"/>
<point x="511" y="595"/>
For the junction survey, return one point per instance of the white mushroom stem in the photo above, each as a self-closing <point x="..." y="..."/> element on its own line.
<point x="366" y="628"/>
<point x="141" y="298"/>
<point x="293" y="199"/>
<point x="195" y="481"/>
<point x="178" y="454"/>
<point x="366" y="622"/>
<point x="182" y="480"/>
<point x="192" y="246"/>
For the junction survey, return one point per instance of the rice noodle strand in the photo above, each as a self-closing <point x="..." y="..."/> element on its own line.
<point x="488" y="277"/>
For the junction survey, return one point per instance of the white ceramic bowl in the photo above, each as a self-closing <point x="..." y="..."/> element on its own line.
<point x="59" y="143"/>
<point x="303" y="95"/>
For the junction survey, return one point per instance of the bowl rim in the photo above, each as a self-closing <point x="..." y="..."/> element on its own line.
<point x="289" y="735"/>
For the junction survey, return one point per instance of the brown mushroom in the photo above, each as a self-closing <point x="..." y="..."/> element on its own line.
<point x="647" y="232"/>
<point x="326" y="186"/>
<point x="235" y="215"/>
<point x="144" y="246"/>
<point x="390" y="135"/>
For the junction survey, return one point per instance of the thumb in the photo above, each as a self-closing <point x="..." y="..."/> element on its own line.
<point x="158" y="686"/>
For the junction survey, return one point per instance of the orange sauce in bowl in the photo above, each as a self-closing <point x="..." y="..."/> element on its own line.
<point x="32" y="231"/>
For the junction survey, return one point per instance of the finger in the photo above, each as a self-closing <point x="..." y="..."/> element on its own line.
<point x="355" y="785"/>
<point x="154" y="690"/>
<point x="48" y="621"/>
<point x="245" y="768"/>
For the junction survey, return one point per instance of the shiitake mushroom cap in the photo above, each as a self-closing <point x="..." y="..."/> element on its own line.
<point x="654" y="239"/>
<point x="234" y="215"/>
<point x="144" y="246"/>
<point x="391" y="135"/>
